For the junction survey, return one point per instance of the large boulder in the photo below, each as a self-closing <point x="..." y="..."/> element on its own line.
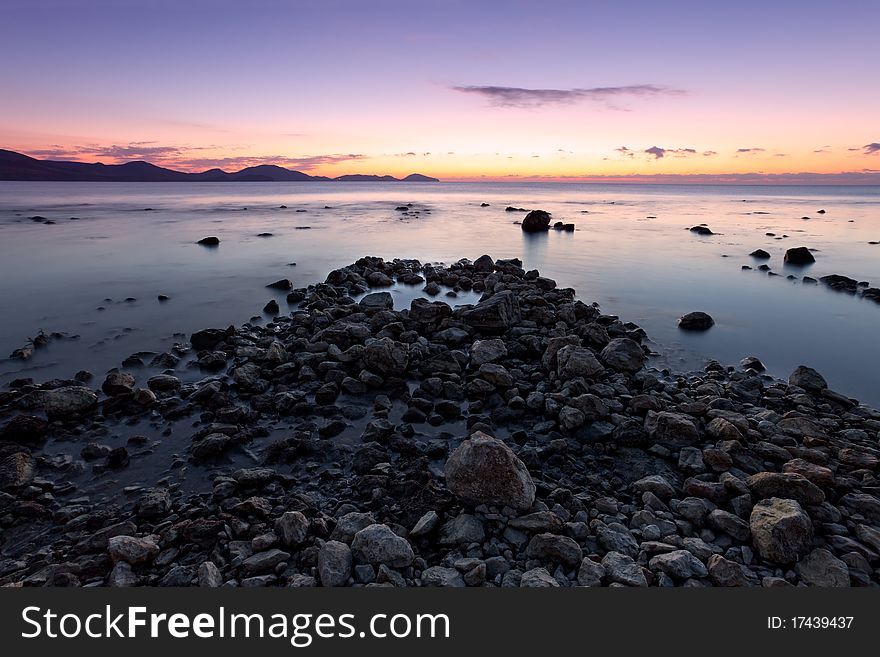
<point x="483" y="470"/>
<point x="377" y="545"/>
<point x="624" y="355"/>
<point x="428" y="312"/>
<point x="781" y="530"/>
<point x="118" y="383"/>
<point x="377" y="301"/>
<point x="799" y="255"/>
<point x="495" y="314"/>
<point x="807" y="378"/>
<point x="386" y="356"/>
<point x="572" y="362"/>
<point x="785" y="484"/>
<point x="536" y="221"/>
<point x="696" y="321"/>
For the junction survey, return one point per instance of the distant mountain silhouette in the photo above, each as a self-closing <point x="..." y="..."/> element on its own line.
<point x="15" y="166"/>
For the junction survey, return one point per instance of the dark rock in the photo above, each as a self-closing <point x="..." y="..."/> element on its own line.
<point x="536" y="221"/>
<point x="799" y="256"/>
<point x="696" y="321"/>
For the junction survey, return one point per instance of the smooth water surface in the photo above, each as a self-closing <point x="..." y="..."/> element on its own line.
<point x="631" y="253"/>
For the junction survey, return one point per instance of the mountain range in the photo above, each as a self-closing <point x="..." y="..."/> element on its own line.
<point x="16" y="166"/>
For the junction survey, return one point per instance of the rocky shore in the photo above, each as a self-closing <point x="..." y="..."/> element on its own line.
<point x="521" y="441"/>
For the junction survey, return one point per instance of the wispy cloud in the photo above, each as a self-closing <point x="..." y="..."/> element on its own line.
<point x="747" y="151"/>
<point x="623" y="150"/>
<point x="136" y="150"/>
<point x="304" y="163"/>
<point x="709" y="153"/>
<point x="499" y="96"/>
<point x="872" y="148"/>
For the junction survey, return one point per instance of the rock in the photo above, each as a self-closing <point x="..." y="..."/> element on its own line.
<point x="818" y="474"/>
<point x="800" y="255"/>
<point x="572" y="361"/>
<point x="496" y="314"/>
<point x="760" y="254"/>
<point x="701" y="230"/>
<point x="785" y="484"/>
<point x="163" y="383"/>
<point x="281" y="284"/>
<point x="25" y="430"/>
<point x="624" y="355"/>
<point x="440" y="576"/>
<point x="536" y="221"/>
<point x="555" y="548"/>
<point x="670" y="429"/>
<point x="350" y="524"/>
<point x="292" y="527"/>
<point x="154" y="503"/>
<point x="484" y="264"/>
<point x="483" y="470"/>
<point x="386" y="356"/>
<point x="807" y="378"/>
<point x="425" y="525"/>
<point x="16" y="470"/>
<point x="678" y="563"/>
<point x="209" y="338"/>
<point x="655" y="484"/>
<point x="132" y="549"/>
<point x="781" y="530"/>
<point x="118" y="383"/>
<point x="272" y="308"/>
<point x="461" y="530"/>
<point x="487" y="351"/>
<point x="590" y="573"/>
<point x="496" y="374"/>
<point x="752" y="363"/>
<point x="67" y="400"/>
<point x="538" y="578"/>
<point x="724" y="572"/>
<point x="696" y="321"/>
<point x="209" y="241"/>
<point x="377" y="544"/>
<point x="622" y="569"/>
<point x="122" y="576"/>
<point x="821" y="568"/>
<point x="209" y="575"/>
<point x="377" y="301"/>
<point x="334" y="563"/>
<point x="729" y="523"/>
<point x="262" y="562"/>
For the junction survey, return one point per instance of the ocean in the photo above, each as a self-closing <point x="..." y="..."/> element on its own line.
<point x="94" y="272"/>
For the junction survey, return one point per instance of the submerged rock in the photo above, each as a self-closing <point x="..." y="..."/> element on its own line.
<point x="696" y="321"/>
<point x="536" y="221"/>
<point x="800" y="255"/>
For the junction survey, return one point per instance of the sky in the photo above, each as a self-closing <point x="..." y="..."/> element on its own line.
<point x="471" y="90"/>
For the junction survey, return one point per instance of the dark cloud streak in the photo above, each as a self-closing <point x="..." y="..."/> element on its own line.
<point x="499" y="96"/>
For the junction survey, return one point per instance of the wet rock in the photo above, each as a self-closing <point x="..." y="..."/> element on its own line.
<point x="377" y="301"/>
<point x="696" y="321"/>
<point x="118" y="383"/>
<point x="760" y="254"/>
<point x="807" y="378"/>
<point x="67" y="400"/>
<point x="209" y="241"/>
<point x="800" y="255"/>
<point x="281" y="284"/>
<point x="781" y="530"/>
<point x="702" y="229"/>
<point x="536" y="221"/>
<point x="483" y="470"/>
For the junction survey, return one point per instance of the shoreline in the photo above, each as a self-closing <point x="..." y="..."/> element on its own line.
<point x="351" y="413"/>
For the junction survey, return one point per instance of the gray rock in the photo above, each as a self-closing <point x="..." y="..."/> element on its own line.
<point x="622" y="569"/>
<point x="696" y="321"/>
<point x="62" y="401"/>
<point x="807" y="378"/>
<point x="425" y="525"/>
<point x="678" y="563"/>
<point x="538" y="578"/>
<point x="377" y="301"/>
<point x="730" y="524"/>
<point x="16" y="470"/>
<point x="122" y="576"/>
<point x="821" y="568"/>
<point x="673" y="430"/>
<point x="572" y="361"/>
<point x="724" y="572"/>
<point x="377" y="544"/>
<point x="487" y="351"/>
<point x="334" y="563"/>
<point x="440" y="576"/>
<point x="262" y="562"/>
<point x="787" y="485"/>
<point x="292" y="527"/>
<point x="462" y="529"/>
<point x="590" y="573"/>
<point x="386" y="356"/>
<point x="781" y="531"/>
<point x="132" y="549"/>
<point x="555" y="548"/>
<point x="350" y="524"/>
<point x="209" y="575"/>
<point x="496" y="314"/>
<point x="624" y="355"/>
<point x="483" y="470"/>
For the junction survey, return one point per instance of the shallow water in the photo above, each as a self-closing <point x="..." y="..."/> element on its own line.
<point x="632" y="253"/>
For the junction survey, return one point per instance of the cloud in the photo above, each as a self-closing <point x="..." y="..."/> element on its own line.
<point x="136" y="150"/>
<point x="522" y="97"/>
<point x="750" y="150"/>
<point x="623" y="150"/>
<point x="709" y="153"/>
<point x="658" y="152"/>
<point x="872" y="148"/>
<point x="304" y="163"/>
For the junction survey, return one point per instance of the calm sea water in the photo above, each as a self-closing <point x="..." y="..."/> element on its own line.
<point x="631" y="252"/>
